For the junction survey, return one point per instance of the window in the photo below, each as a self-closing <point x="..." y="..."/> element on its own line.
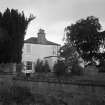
<point x="54" y="51"/>
<point x="28" y="48"/>
<point x="28" y="65"/>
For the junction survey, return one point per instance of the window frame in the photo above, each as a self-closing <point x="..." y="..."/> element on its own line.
<point x="29" y="65"/>
<point x="28" y="48"/>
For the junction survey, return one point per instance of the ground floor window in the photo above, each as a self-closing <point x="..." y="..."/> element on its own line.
<point x="28" y="65"/>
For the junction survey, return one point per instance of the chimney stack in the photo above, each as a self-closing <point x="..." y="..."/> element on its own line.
<point x="41" y="36"/>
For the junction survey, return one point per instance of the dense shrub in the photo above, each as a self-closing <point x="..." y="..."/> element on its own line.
<point x="39" y="66"/>
<point x="60" y="68"/>
<point x="46" y="67"/>
<point x="102" y="69"/>
<point x="102" y="66"/>
<point x="6" y="67"/>
<point x="73" y="65"/>
<point x="76" y="69"/>
<point x="19" y="67"/>
<point x="42" y="66"/>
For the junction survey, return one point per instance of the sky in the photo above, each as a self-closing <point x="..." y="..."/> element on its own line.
<point x="54" y="15"/>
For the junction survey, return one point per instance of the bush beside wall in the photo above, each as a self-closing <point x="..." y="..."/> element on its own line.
<point x="59" y="68"/>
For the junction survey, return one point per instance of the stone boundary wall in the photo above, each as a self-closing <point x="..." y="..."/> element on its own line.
<point x="97" y="80"/>
<point x="87" y="80"/>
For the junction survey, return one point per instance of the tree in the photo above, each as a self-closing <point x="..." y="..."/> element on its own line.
<point x="13" y="25"/>
<point x="68" y="51"/>
<point x="87" y="39"/>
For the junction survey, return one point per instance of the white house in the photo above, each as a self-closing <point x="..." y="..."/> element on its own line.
<point x="39" y="48"/>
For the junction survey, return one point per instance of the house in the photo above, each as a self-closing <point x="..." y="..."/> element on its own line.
<point x="39" y="48"/>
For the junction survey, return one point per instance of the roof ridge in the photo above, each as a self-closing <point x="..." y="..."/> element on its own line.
<point x="34" y="40"/>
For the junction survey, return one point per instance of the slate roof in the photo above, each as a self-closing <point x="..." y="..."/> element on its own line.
<point x="33" y="40"/>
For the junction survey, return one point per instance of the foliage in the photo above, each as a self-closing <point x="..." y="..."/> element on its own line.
<point x="13" y="25"/>
<point x="42" y="67"/>
<point x="102" y="66"/>
<point x="39" y="66"/>
<point x="6" y="67"/>
<point x="46" y="67"/>
<point x="68" y="51"/>
<point x="73" y="66"/>
<point x="87" y="39"/>
<point x="19" y="68"/>
<point x="60" y="68"/>
<point x="76" y="69"/>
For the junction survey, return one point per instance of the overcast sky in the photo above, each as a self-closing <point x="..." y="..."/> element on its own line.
<point x="55" y="15"/>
